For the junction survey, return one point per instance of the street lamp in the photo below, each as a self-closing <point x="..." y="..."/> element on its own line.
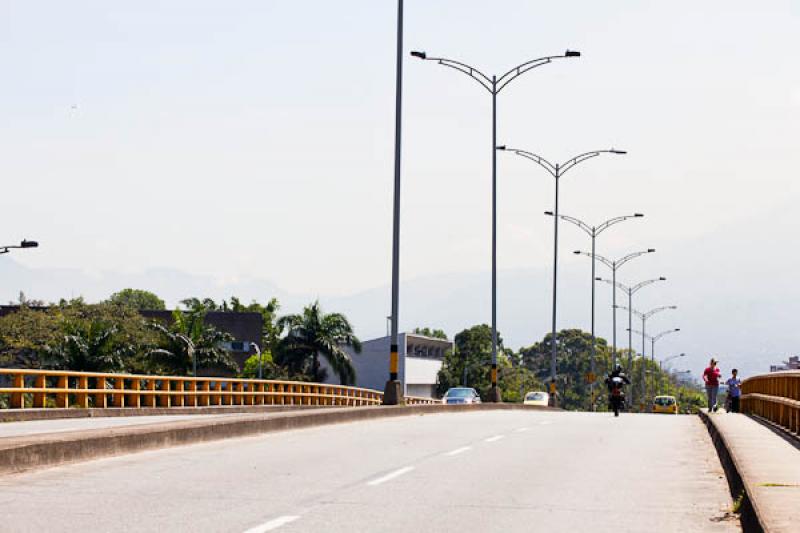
<point x="644" y="317"/>
<point x="393" y="393"/>
<point x="614" y="265"/>
<point x="653" y="340"/>
<point x="255" y="347"/>
<point x="661" y="367"/>
<point x="630" y="291"/>
<point x="557" y="170"/>
<point x="593" y="232"/>
<point x="24" y="244"/>
<point x="494" y="85"/>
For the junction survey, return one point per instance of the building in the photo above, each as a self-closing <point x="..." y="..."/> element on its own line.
<point x="420" y="357"/>
<point x="792" y="364"/>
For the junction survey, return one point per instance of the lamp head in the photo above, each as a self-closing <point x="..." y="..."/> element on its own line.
<point x="662" y="278"/>
<point x="618" y="152"/>
<point x="572" y="53"/>
<point x="651" y="250"/>
<point x="28" y="244"/>
<point x="502" y="147"/>
<point x="638" y="215"/>
<point x="419" y="54"/>
<point x="576" y="252"/>
<point x="549" y="213"/>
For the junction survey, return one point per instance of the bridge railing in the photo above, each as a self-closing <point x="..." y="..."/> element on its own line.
<point x="68" y="389"/>
<point x="775" y="397"/>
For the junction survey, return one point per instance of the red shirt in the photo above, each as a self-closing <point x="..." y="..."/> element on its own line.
<point x="711" y="376"/>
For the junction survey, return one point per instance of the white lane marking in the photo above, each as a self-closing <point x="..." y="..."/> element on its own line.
<point x="391" y="475"/>
<point x="520" y="430"/>
<point x="273" y="524"/>
<point x="493" y="439"/>
<point x="458" y="451"/>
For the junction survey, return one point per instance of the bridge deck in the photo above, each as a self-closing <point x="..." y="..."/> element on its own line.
<point x="476" y="471"/>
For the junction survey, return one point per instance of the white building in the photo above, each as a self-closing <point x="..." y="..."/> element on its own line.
<point x="420" y="357"/>
<point x="792" y="364"/>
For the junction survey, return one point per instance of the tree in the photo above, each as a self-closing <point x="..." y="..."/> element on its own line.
<point x="138" y="299"/>
<point x="573" y="364"/>
<point x="188" y="337"/>
<point x="312" y="334"/>
<point x="433" y="333"/>
<point x="470" y="363"/>
<point x="269" y="368"/>
<point x="270" y="334"/>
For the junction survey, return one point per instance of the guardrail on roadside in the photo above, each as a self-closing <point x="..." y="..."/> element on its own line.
<point x="67" y="389"/>
<point x="775" y="397"/>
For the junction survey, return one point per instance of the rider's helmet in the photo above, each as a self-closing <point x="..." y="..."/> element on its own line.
<point x="617" y="370"/>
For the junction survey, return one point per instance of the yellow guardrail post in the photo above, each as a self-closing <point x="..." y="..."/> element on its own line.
<point x="40" y="382"/>
<point x="18" y="398"/>
<point x="62" y="397"/>
<point x="133" y="399"/>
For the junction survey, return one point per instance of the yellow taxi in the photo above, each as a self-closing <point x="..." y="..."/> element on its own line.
<point x="665" y="404"/>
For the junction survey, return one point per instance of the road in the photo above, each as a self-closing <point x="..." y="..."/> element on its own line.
<point x="472" y="472"/>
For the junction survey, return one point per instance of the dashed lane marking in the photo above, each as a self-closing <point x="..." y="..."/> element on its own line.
<point x="521" y="430"/>
<point x="273" y="524"/>
<point x="391" y="475"/>
<point x="458" y="451"/>
<point x="493" y="439"/>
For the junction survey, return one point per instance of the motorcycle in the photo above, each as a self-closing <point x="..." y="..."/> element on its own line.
<point x="616" y="394"/>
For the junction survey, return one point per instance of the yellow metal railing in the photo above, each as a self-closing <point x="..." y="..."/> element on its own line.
<point x="67" y="389"/>
<point x="775" y="397"/>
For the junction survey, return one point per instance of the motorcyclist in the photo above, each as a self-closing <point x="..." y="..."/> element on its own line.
<point x="615" y="382"/>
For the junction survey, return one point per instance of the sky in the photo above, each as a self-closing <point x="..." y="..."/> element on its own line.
<point x="251" y="144"/>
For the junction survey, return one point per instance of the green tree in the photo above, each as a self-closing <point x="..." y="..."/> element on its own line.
<point x="188" y="337"/>
<point x="27" y="336"/>
<point x="470" y="363"/>
<point x="433" y="333"/>
<point x="312" y="334"/>
<point x="573" y="365"/>
<point x="138" y="299"/>
<point x="270" y="369"/>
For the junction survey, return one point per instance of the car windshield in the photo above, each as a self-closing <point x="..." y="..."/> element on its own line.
<point x="459" y="393"/>
<point x="665" y="401"/>
<point x="535" y="396"/>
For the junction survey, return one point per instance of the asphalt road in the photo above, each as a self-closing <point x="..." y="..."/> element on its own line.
<point x="468" y="472"/>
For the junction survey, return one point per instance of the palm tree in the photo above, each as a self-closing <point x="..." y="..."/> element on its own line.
<point x="313" y="334"/>
<point x="90" y="346"/>
<point x="188" y="337"/>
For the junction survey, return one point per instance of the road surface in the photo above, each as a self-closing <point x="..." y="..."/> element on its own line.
<point x="469" y="472"/>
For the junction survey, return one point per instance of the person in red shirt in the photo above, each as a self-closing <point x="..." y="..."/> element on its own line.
<point x="711" y="377"/>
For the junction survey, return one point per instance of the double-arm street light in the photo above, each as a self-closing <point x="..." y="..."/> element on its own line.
<point x="653" y="340"/>
<point x="557" y="170"/>
<point x="494" y="85"/>
<point x="593" y="232"/>
<point x="24" y="244"/>
<point x="630" y="291"/>
<point x="614" y="265"/>
<point x="661" y="367"/>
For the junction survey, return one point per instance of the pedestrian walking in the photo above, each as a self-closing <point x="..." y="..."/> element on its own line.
<point x="711" y="377"/>
<point x="734" y="391"/>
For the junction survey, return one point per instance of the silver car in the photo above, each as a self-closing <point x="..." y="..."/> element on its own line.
<point x="461" y="395"/>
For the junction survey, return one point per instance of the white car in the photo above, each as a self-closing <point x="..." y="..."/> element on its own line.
<point x="537" y="398"/>
<point x="461" y="395"/>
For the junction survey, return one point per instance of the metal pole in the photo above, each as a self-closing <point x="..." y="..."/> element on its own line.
<point x="554" y="339"/>
<point x="614" y="314"/>
<point x="644" y="365"/>
<point x="653" y="360"/>
<point x="392" y="394"/>
<point x="495" y="393"/>
<point x="630" y="339"/>
<point x="594" y="347"/>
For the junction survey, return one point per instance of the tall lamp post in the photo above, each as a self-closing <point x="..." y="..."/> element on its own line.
<point x="615" y="264"/>
<point x="645" y="317"/>
<point x="593" y="232"/>
<point x="630" y="291"/>
<point x="653" y="340"/>
<point x="494" y="85"/>
<point x="392" y="393"/>
<point x="661" y="367"/>
<point x="24" y="244"/>
<point x="557" y="170"/>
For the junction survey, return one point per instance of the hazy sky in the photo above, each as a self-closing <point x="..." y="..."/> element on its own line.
<point x="255" y="140"/>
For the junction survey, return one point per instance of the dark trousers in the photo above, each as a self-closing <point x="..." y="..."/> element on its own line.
<point x="734" y="404"/>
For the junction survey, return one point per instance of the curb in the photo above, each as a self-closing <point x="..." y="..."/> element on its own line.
<point x="750" y="520"/>
<point x="50" y="413"/>
<point x="19" y="454"/>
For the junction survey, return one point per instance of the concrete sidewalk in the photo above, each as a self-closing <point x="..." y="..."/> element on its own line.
<point x="768" y="465"/>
